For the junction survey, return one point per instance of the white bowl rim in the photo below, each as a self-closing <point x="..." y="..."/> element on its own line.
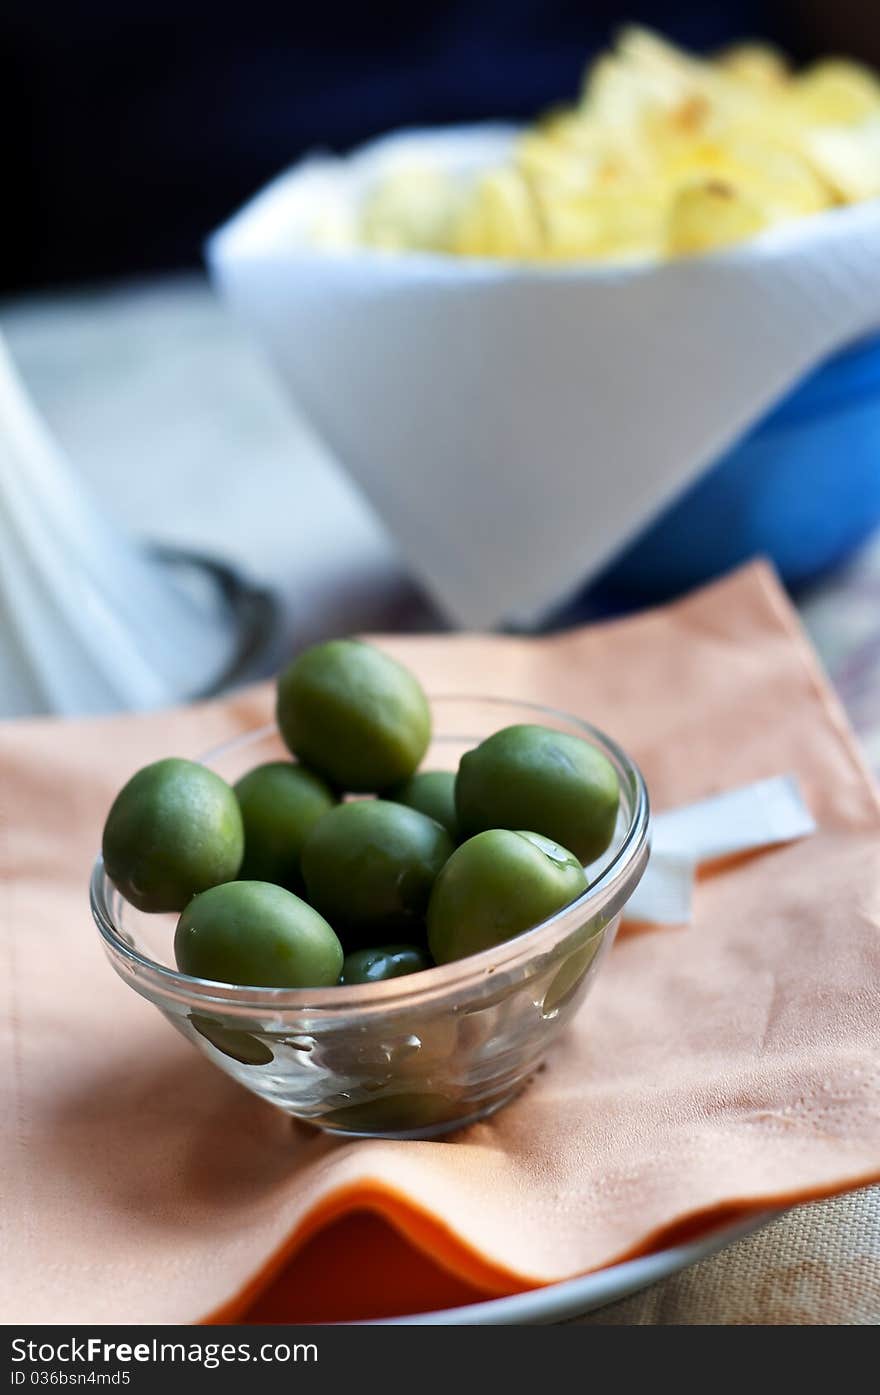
<point x="243" y="236"/>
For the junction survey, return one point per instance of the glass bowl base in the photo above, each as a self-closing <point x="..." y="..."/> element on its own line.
<point x="426" y="1131"/>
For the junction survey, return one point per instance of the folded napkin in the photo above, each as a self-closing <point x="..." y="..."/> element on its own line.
<point x="715" y="1070"/>
<point x="579" y="399"/>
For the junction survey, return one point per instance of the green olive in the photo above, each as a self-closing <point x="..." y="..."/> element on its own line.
<point x="495" y="886"/>
<point x="280" y="804"/>
<point x="535" y="777"/>
<point x="174" y="830"/>
<point x="369" y="867"/>
<point x="386" y="961"/>
<point x="432" y="792"/>
<point x="391" y="1114"/>
<point x="256" y="934"/>
<point x="239" y="1046"/>
<point x="354" y="714"/>
<point x="573" y="970"/>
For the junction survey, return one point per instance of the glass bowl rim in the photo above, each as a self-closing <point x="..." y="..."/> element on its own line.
<point x="611" y="887"/>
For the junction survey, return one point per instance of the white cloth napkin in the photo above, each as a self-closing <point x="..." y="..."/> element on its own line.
<point x="89" y="622"/>
<point x="514" y="426"/>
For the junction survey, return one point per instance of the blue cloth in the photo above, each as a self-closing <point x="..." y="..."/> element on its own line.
<point x="803" y="488"/>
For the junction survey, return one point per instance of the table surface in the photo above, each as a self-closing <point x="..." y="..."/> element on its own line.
<point x="175" y="422"/>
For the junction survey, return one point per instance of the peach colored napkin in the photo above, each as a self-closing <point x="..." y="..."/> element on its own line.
<point x="715" y="1069"/>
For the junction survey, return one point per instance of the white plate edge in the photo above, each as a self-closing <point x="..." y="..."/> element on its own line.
<point x="574" y="1297"/>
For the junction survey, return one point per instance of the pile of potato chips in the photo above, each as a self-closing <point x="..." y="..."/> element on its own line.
<point x="664" y="155"/>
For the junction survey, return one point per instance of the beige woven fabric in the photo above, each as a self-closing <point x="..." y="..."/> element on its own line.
<point x="817" y="1264"/>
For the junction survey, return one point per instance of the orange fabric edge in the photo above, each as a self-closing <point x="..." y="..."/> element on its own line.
<point x="692" y="1225"/>
<point x="449" y="1250"/>
<point x="424" y="1231"/>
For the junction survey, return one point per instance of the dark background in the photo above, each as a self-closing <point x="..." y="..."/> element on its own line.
<point x="133" y="127"/>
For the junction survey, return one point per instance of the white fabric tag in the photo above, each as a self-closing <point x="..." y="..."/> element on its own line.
<point x="665" y="894"/>
<point x="754" y="816"/>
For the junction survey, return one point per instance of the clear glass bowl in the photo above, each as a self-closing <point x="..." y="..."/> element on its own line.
<point x="415" y="1056"/>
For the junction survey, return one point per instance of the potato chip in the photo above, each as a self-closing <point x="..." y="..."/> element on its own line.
<point x="759" y="65"/>
<point x="664" y="154"/>
<point x="414" y="208"/>
<point x="849" y="158"/>
<point x="712" y="213"/>
<point x="625" y="226"/>
<point x="837" y="92"/>
<point x="501" y="220"/>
